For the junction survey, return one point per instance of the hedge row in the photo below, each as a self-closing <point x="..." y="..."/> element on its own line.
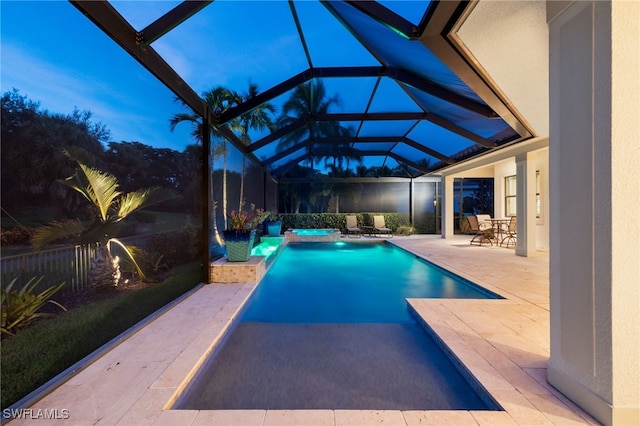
<point x="339" y="220"/>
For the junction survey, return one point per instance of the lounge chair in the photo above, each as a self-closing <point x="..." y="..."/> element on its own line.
<point x="483" y="231"/>
<point x="380" y="227"/>
<point x="510" y="232"/>
<point x="352" y="226"/>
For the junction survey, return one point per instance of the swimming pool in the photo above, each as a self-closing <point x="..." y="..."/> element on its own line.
<point x="350" y="282"/>
<point x="328" y="328"/>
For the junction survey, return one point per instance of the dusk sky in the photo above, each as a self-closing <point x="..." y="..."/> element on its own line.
<point x="54" y="55"/>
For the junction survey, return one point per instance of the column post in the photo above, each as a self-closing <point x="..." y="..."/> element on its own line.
<point x="526" y="204"/>
<point x="447" y="207"/>
<point x="594" y="164"/>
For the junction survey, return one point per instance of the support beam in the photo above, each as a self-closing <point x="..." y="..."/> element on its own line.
<point x="442" y="122"/>
<point x="447" y="207"/>
<point x="169" y="21"/>
<point x="205" y="198"/>
<point x="526" y="204"/>
<point x="386" y="17"/>
<point x="107" y="18"/>
<point x="348" y="72"/>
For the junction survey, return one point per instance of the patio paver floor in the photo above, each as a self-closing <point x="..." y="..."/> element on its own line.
<point x="504" y="343"/>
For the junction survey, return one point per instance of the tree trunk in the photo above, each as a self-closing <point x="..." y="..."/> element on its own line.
<point x="224" y="186"/>
<point x="241" y="186"/>
<point x="105" y="270"/>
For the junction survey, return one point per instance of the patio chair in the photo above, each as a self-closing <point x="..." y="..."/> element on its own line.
<point x="352" y="226"/>
<point x="483" y="231"/>
<point x="510" y="232"/>
<point x="380" y="227"/>
<point x="484" y="219"/>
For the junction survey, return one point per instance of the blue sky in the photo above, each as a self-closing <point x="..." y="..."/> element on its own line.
<point x="54" y="55"/>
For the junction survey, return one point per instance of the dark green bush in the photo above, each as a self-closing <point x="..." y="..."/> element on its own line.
<point x="338" y="220"/>
<point x="175" y="248"/>
<point x="426" y="224"/>
<point x="17" y="235"/>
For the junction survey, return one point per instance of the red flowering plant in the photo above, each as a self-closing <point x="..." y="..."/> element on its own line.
<point x="245" y="221"/>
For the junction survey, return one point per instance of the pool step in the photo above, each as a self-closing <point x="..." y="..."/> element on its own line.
<point x="251" y="271"/>
<point x="312" y="235"/>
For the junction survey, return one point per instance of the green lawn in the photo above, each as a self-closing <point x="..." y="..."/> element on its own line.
<point x="147" y="222"/>
<point x="166" y="221"/>
<point x="40" y="352"/>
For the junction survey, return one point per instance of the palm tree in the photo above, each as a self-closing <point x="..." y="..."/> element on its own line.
<point x="109" y="207"/>
<point x="219" y="99"/>
<point x="258" y="119"/>
<point x="306" y="100"/>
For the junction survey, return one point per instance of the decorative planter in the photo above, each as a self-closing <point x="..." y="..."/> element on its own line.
<point x="239" y="244"/>
<point x="273" y="228"/>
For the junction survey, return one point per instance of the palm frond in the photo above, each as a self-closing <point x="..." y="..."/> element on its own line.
<point x="140" y="199"/>
<point x="131" y="253"/>
<point x="55" y="231"/>
<point x="99" y="188"/>
<point x="100" y="231"/>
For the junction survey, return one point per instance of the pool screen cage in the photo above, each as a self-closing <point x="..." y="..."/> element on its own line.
<point x="373" y="100"/>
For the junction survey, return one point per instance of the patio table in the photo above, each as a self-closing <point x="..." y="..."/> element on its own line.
<point x="497" y="227"/>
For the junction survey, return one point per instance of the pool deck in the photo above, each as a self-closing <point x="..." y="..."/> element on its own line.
<point x="504" y="343"/>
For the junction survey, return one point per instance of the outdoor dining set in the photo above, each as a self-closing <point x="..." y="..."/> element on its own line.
<point x="498" y="231"/>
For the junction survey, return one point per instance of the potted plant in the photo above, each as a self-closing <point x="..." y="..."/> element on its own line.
<point x="240" y="237"/>
<point x="272" y="225"/>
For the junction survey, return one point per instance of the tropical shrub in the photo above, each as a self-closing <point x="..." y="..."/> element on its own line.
<point x="338" y="220"/>
<point x="109" y="207"/>
<point x="21" y="307"/>
<point x="391" y="220"/>
<point x="406" y="230"/>
<point x="313" y="220"/>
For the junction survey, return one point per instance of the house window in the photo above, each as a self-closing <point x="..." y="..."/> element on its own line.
<point x="510" y="196"/>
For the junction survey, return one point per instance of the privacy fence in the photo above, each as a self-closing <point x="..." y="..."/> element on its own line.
<point x="70" y="264"/>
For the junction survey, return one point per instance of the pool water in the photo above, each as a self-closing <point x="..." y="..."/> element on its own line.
<point x="313" y="232"/>
<point x="268" y="247"/>
<point x="328" y="328"/>
<point x="350" y="282"/>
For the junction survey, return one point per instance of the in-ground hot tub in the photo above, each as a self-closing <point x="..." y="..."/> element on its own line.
<point x="306" y="235"/>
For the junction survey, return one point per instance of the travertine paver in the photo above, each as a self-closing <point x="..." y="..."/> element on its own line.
<point x="504" y="343"/>
<point x="369" y="417"/>
<point x="299" y="417"/>
<point x="230" y="417"/>
<point x="439" y="418"/>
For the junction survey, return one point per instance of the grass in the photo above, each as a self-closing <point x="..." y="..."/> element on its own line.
<point x="40" y="352"/>
<point x="166" y="221"/>
<point x="159" y="222"/>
